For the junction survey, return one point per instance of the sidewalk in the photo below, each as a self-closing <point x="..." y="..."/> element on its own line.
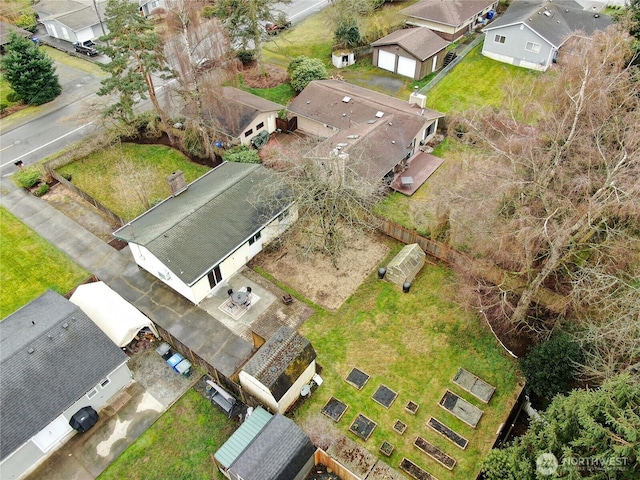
<point x="84" y="457"/>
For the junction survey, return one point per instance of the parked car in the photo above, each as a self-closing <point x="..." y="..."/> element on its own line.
<point x="273" y="28"/>
<point x="87" y="47"/>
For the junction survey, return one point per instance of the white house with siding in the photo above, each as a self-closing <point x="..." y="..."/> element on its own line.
<point x="53" y="361"/>
<point x="198" y="237"/>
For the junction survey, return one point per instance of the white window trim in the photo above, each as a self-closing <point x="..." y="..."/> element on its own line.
<point x="497" y="38"/>
<point x="535" y="47"/>
<point x="105" y="382"/>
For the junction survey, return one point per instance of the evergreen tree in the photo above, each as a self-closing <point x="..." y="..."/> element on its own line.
<point x="589" y="434"/>
<point x="136" y="53"/>
<point x="30" y="71"/>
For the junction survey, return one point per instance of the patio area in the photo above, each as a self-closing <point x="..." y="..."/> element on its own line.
<point x="421" y="167"/>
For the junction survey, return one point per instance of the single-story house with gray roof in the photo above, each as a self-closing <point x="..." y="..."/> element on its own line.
<point x="277" y="372"/>
<point x="450" y="19"/>
<point x="375" y="135"/>
<point x="411" y="52"/>
<point x="5" y="33"/>
<point x="530" y="33"/>
<point x="208" y="231"/>
<point x="53" y="361"/>
<point x="266" y="447"/>
<point x="239" y="116"/>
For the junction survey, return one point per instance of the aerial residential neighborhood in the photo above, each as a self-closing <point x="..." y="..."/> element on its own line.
<point x="345" y="240"/>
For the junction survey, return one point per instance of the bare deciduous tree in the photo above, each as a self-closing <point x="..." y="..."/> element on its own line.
<point x="562" y="170"/>
<point x="329" y="193"/>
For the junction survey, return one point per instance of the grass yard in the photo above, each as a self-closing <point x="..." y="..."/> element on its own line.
<point x="476" y="80"/>
<point x="29" y="266"/>
<point x="180" y="445"/>
<point x="412" y="343"/>
<point x="130" y="178"/>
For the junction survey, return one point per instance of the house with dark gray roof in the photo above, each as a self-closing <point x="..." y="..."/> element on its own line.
<point x="266" y="448"/>
<point x="53" y="361"/>
<point x="411" y="52"/>
<point x="207" y="231"/>
<point x="450" y="19"/>
<point x="238" y="116"/>
<point x="375" y="135"/>
<point x="5" y="33"/>
<point x="278" y="371"/>
<point x="530" y="33"/>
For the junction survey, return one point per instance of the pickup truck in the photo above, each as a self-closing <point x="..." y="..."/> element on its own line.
<point x="273" y="28"/>
<point x="87" y="47"/>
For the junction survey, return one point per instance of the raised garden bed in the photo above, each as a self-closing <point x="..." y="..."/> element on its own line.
<point x="448" y="433"/>
<point x="386" y="448"/>
<point x="334" y="409"/>
<point x="434" y="452"/>
<point x="474" y="385"/>
<point x="411" y="407"/>
<point x="362" y="427"/>
<point x="384" y="396"/>
<point x="468" y="413"/>
<point x="357" y="378"/>
<point x="414" y="471"/>
<point x="400" y="427"/>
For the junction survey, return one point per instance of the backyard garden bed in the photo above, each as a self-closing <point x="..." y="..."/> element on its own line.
<point x="435" y="453"/>
<point x="415" y="471"/>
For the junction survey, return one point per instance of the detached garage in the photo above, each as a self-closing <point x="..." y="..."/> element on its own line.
<point x="411" y="52"/>
<point x="116" y="317"/>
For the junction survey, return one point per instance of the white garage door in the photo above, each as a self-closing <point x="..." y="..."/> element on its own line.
<point x="387" y="60"/>
<point x="406" y="66"/>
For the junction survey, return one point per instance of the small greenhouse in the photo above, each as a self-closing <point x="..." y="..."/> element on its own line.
<point x="405" y="266"/>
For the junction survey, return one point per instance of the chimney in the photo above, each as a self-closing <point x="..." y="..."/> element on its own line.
<point x="177" y="182"/>
<point x="417" y="98"/>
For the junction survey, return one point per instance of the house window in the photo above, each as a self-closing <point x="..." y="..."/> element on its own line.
<point x="260" y="125"/>
<point x="254" y="239"/>
<point x="532" y="47"/>
<point x="248" y="132"/>
<point x="500" y="39"/>
<point x="105" y="382"/>
<point x="92" y="393"/>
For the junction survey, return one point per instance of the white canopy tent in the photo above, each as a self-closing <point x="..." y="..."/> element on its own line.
<point x="116" y="317"/>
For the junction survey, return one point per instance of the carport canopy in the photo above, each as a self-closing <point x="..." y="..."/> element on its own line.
<point x="116" y="317"/>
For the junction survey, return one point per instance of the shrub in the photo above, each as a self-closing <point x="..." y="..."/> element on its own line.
<point x="29" y="177"/>
<point x="241" y="154"/>
<point x="3" y="106"/>
<point x="209" y="11"/>
<point x="13" y="97"/>
<point x="551" y="366"/>
<point x="246" y="56"/>
<point x="27" y="21"/>
<point x="307" y="70"/>
<point x="41" y="190"/>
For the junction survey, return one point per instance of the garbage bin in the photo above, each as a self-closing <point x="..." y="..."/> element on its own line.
<point x="406" y="286"/>
<point x="175" y="359"/>
<point x="164" y="350"/>
<point x="382" y="272"/>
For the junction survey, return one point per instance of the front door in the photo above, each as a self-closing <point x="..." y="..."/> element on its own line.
<point x="214" y="276"/>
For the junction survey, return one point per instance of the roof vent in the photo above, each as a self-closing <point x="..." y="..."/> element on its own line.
<point x="65" y="325"/>
<point x="594" y="16"/>
<point x="547" y="13"/>
<point x="370" y="122"/>
<point x="343" y="144"/>
<point x="352" y="137"/>
<point x="346" y="99"/>
<point x="31" y="350"/>
<point x="379" y="114"/>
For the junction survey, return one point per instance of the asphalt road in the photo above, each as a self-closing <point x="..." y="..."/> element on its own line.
<point x="73" y="115"/>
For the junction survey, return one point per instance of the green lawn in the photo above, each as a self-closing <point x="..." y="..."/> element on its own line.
<point x="179" y="445"/>
<point x="29" y="266"/>
<point x="129" y="178"/>
<point x="476" y="80"/>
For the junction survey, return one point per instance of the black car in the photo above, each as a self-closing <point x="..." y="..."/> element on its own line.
<point x="87" y="47"/>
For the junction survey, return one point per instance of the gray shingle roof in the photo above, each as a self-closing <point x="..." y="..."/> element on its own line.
<point x="564" y="17"/>
<point x="374" y="144"/>
<point x="6" y="29"/>
<point x="65" y="363"/>
<point x="197" y="229"/>
<point x="447" y="12"/>
<point x="279" y="452"/>
<point x="74" y="14"/>
<point x="281" y="360"/>
<point x="420" y="42"/>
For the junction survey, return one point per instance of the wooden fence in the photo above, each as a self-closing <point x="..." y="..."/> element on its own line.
<point x="50" y="169"/>
<point x="491" y="273"/>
